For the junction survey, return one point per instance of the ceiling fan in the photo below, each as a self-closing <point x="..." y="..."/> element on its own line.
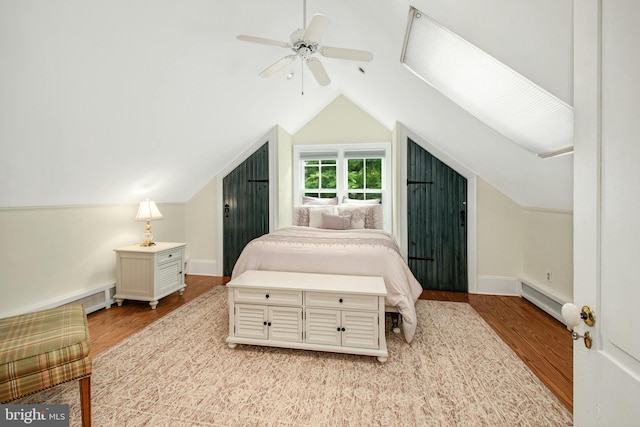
<point x="305" y="43"/>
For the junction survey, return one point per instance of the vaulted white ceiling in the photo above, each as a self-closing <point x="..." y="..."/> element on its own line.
<point x="101" y="101"/>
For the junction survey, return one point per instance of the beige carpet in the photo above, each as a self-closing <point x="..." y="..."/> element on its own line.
<point x="180" y="372"/>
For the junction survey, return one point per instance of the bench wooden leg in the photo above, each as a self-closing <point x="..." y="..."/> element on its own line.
<point x="85" y="401"/>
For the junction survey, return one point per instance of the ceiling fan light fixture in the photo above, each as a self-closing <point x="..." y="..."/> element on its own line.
<point x="305" y="43"/>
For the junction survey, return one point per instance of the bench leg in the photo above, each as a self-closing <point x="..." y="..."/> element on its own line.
<point x="85" y="401"/>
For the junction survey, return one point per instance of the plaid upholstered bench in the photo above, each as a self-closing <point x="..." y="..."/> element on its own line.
<point x="43" y="349"/>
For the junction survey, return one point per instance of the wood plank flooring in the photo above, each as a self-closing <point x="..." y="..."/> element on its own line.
<point x="542" y="342"/>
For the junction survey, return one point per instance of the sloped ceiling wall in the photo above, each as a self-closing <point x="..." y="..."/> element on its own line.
<point x="110" y="102"/>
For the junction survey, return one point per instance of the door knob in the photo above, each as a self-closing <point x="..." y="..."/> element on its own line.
<point x="572" y="317"/>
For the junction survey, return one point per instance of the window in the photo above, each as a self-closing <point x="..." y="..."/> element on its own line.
<point x="364" y="178"/>
<point x="355" y="171"/>
<point x="497" y="95"/>
<point x="320" y="178"/>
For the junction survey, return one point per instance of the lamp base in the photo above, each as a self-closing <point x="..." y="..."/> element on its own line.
<point x="147" y="237"/>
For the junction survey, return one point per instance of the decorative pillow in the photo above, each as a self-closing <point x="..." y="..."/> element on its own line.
<point x="306" y="200"/>
<point x="357" y="220"/>
<point x="315" y="216"/>
<point x="345" y="199"/>
<point x="371" y="214"/>
<point x="302" y="214"/>
<point x="336" y="222"/>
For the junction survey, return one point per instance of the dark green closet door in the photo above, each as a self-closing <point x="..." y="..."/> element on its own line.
<point x="436" y="222"/>
<point x="245" y="205"/>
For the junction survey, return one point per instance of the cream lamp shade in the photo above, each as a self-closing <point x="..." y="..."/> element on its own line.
<point x="148" y="211"/>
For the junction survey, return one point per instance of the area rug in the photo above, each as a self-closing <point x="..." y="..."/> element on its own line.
<point x="179" y="371"/>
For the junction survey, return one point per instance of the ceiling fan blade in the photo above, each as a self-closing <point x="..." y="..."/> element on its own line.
<point x="342" y="53"/>
<point x="277" y="66"/>
<point x="316" y="28"/>
<point x="262" y="40"/>
<point x="318" y="71"/>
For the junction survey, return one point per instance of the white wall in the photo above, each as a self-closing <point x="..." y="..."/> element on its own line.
<point x="285" y="177"/>
<point x="201" y="215"/>
<point x="500" y="233"/>
<point x="520" y="242"/>
<point x="548" y="248"/>
<point x="50" y="252"/>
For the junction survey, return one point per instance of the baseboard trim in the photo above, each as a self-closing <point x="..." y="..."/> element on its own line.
<point x="202" y="267"/>
<point x="498" y="285"/>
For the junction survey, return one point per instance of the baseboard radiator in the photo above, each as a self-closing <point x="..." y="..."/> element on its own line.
<point x="543" y="298"/>
<point x="95" y="299"/>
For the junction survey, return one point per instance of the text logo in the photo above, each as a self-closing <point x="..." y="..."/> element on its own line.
<point x="34" y="415"/>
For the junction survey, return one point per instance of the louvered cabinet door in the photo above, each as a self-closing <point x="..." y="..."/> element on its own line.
<point x="285" y="324"/>
<point x="251" y="321"/>
<point x="323" y="327"/>
<point x="360" y="329"/>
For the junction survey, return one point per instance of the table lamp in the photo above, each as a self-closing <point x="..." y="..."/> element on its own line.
<point x="146" y="212"/>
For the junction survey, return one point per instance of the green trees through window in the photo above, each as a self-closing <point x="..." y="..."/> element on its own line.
<point x="320" y="178"/>
<point x="363" y="178"/>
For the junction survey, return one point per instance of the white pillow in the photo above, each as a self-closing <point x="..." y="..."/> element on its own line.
<point x="345" y="199"/>
<point x="315" y="216"/>
<point x="307" y="200"/>
<point x="302" y="214"/>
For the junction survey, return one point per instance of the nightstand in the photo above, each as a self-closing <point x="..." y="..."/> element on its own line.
<point x="149" y="273"/>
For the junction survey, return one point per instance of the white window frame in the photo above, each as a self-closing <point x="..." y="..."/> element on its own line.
<point x="341" y="152"/>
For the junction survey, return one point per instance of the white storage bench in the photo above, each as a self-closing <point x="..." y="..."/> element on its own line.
<point x="322" y="312"/>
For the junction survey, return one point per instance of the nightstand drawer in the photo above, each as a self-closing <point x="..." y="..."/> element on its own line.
<point x="166" y="256"/>
<point x="341" y="301"/>
<point x="268" y="296"/>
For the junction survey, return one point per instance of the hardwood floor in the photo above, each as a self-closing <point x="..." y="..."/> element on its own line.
<point x="110" y="326"/>
<point x="540" y="341"/>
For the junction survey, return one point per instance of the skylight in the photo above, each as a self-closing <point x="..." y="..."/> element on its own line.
<point x="497" y="95"/>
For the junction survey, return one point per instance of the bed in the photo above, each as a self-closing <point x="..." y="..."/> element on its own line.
<point x="369" y="251"/>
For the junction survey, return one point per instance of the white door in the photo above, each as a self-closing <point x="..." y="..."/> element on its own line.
<point x="607" y="210"/>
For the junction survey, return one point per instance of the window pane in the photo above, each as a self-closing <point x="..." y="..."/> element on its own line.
<point x="328" y="162"/>
<point x="311" y="177"/>
<point x="374" y="173"/>
<point x="355" y="173"/>
<point x="328" y="177"/>
<point x="356" y="196"/>
<point x="311" y="162"/>
<point x="365" y="196"/>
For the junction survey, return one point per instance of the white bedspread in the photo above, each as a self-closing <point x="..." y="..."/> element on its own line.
<point x="367" y="252"/>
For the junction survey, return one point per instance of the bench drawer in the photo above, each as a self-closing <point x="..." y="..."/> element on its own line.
<point x="341" y="301"/>
<point x="267" y="296"/>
